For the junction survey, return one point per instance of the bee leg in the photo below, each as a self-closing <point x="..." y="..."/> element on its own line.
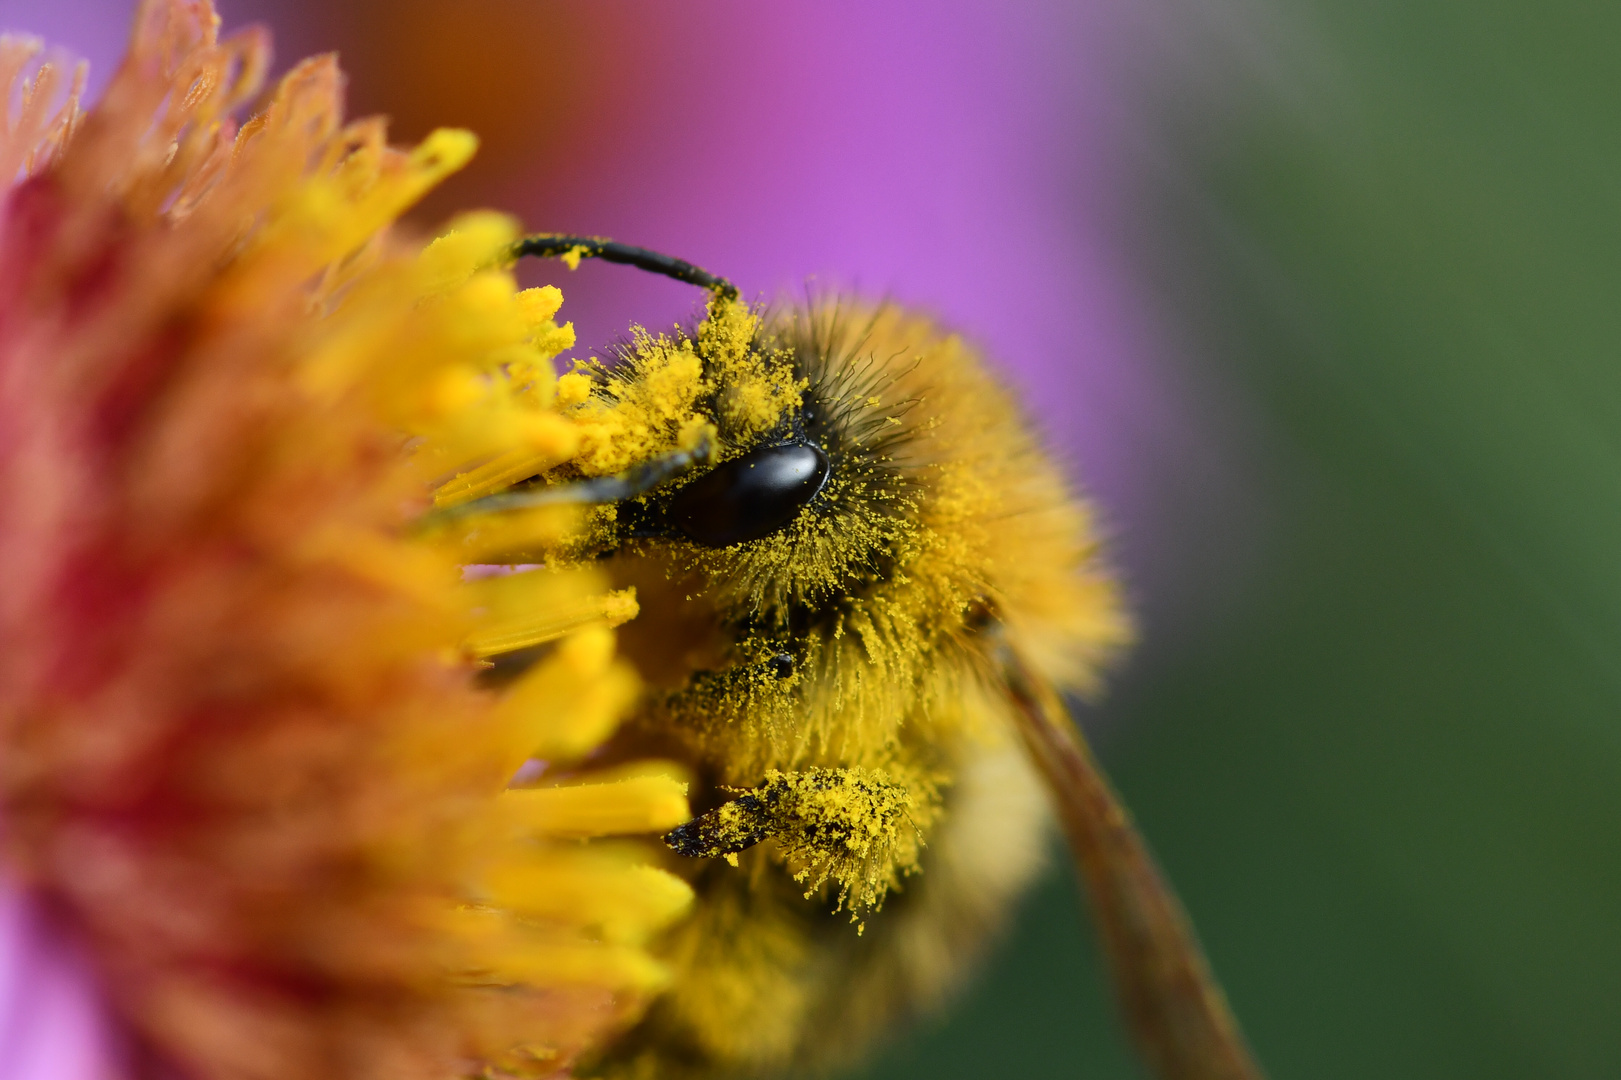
<point x="839" y="824"/>
<point x="728" y="829"/>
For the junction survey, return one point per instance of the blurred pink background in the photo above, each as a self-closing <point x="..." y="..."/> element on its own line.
<point x="978" y="160"/>
<point x="52" y="1024"/>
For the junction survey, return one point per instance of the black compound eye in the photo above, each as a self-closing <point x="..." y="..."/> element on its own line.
<point x="749" y="497"/>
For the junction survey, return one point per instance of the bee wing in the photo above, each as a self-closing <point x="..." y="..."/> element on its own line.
<point x="1172" y="1003"/>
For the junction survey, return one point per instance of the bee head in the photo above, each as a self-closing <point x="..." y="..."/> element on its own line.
<point x="816" y="479"/>
<point x="811" y="498"/>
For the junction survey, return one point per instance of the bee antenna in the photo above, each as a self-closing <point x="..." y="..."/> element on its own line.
<point x="594" y="492"/>
<point x="574" y="248"/>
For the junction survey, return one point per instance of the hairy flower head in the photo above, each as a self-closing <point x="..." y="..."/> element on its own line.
<point x="245" y="745"/>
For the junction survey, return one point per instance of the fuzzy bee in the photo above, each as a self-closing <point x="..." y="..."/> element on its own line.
<point x="863" y="590"/>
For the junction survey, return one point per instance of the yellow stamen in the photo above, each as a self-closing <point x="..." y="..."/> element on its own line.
<point x="509" y="468"/>
<point x="626" y="900"/>
<point x="570" y="702"/>
<point x="538" y="627"/>
<point x="641" y="804"/>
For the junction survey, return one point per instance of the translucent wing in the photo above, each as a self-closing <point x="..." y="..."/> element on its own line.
<point x="1171" y="1001"/>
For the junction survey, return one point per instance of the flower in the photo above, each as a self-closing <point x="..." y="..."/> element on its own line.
<point x="246" y="749"/>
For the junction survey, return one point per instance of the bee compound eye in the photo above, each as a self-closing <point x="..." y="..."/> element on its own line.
<point x="749" y="497"/>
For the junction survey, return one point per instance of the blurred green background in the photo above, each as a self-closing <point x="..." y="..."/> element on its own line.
<point x="1390" y="787"/>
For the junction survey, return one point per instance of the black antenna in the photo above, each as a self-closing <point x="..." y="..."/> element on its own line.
<point x="562" y="245"/>
<point x="595" y="492"/>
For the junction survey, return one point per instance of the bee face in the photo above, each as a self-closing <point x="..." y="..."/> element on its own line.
<point x="811" y="499"/>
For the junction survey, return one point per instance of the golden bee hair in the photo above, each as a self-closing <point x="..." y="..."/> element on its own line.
<point x="852" y="562"/>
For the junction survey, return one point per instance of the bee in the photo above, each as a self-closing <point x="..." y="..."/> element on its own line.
<point x="863" y="593"/>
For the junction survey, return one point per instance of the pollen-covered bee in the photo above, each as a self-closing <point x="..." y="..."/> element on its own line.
<point x="862" y="589"/>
